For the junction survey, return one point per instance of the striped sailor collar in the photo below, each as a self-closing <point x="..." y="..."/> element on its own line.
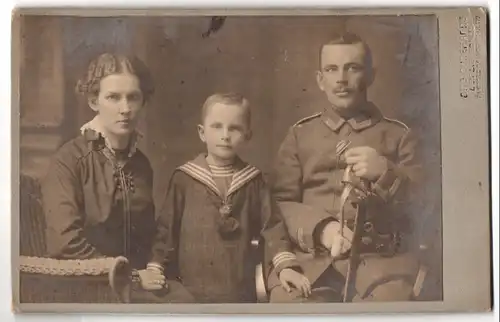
<point x="222" y="171"/>
<point x="199" y="170"/>
<point x="368" y="116"/>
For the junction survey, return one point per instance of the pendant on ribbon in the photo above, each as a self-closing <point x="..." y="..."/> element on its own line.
<point x="226" y="209"/>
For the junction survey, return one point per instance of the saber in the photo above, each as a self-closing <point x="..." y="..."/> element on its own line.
<point x="354" y="254"/>
<point x="340" y="149"/>
<point x="360" y="216"/>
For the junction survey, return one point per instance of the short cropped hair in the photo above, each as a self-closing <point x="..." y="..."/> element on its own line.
<point x="111" y="63"/>
<point x="347" y="38"/>
<point x="230" y="98"/>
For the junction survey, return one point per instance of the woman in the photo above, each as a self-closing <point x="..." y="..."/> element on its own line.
<point x="97" y="195"/>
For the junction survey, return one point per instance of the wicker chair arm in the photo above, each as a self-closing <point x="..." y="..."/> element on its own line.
<point x="120" y="278"/>
<point x="116" y="268"/>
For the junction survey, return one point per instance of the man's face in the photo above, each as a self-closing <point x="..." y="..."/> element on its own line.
<point x="344" y="75"/>
<point x="224" y="130"/>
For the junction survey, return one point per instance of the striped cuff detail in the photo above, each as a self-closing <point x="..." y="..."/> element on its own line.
<point x="283" y="260"/>
<point x="283" y="257"/>
<point x="155" y="266"/>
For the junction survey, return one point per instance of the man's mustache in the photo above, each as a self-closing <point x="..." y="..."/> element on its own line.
<point x="342" y="90"/>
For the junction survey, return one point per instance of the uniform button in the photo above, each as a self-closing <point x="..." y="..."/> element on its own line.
<point x="368" y="226"/>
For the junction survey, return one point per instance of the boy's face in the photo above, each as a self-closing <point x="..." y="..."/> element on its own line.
<point x="224" y="130"/>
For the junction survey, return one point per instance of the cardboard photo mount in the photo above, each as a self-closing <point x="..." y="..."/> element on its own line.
<point x="465" y="165"/>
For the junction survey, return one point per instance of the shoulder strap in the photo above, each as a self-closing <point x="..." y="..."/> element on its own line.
<point x="307" y="118"/>
<point x="394" y="121"/>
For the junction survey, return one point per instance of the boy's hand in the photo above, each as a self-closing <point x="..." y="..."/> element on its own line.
<point x="152" y="279"/>
<point x="333" y="240"/>
<point x="299" y="281"/>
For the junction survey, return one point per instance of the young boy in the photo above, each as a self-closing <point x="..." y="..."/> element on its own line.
<point x="215" y="206"/>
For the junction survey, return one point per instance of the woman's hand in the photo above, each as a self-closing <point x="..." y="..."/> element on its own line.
<point x="152" y="279"/>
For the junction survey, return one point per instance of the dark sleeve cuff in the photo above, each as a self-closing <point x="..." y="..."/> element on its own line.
<point x="301" y="221"/>
<point x="318" y="230"/>
<point x="162" y="256"/>
<point x="388" y="184"/>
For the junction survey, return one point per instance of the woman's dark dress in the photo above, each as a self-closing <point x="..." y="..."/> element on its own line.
<point x="96" y="206"/>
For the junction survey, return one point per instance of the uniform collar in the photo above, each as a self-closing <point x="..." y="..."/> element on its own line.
<point x="93" y="131"/>
<point x="198" y="169"/>
<point x="369" y="115"/>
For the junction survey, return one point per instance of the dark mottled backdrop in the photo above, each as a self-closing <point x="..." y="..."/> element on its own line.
<point x="270" y="59"/>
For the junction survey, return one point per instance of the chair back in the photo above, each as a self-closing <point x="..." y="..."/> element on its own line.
<point x="31" y="218"/>
<point x="47" y="280"/>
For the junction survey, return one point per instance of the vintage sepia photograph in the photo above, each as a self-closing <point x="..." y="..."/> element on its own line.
<point x="240" y="158"/>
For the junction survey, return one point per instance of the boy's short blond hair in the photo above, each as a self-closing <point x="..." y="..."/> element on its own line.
<point x="230" y="98"/>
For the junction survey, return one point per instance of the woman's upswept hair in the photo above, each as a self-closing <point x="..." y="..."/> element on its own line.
<point x="108" y="64"/>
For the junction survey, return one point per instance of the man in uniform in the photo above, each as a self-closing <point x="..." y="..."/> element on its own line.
<point x="309" y="178"/>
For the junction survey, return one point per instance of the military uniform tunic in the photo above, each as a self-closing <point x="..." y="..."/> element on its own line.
<point x="307" y="183"/>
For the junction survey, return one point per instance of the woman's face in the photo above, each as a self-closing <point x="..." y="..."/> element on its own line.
<point x="118" y="103"/>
